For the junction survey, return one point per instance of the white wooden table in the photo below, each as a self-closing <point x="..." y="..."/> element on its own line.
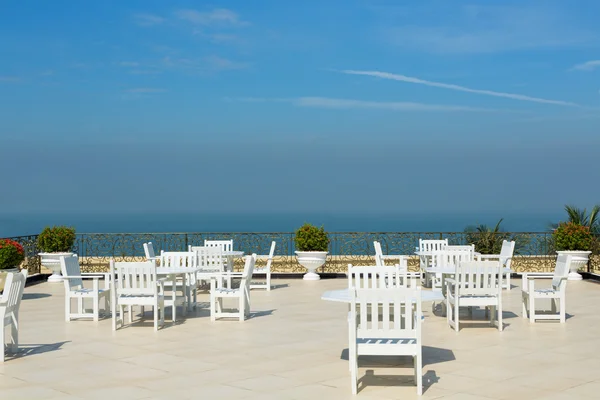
<point x="171" y="275"/>
<point x="345" y="296"/>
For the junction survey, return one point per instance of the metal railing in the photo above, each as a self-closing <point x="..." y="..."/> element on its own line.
<point x="534" y="250"/>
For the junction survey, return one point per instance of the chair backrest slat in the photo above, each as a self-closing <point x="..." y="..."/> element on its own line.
<point x="14" y="285"/>
<point x="376" y="277"/>
<point x="561" y="271"/>
<point x="271" y="254"/>
<point x="225" y="245"/>
<point x="398" y="318"/>
<point x="134" y="278"/>
<point x="69" y="266"/>
<point x="432" y="245"/>
<point x="209" y="258"/>
<point x="149" y="251"/>
<point x="479" y="278"/>
<point x="178" y="259"/>
<point x="379" y="261"/>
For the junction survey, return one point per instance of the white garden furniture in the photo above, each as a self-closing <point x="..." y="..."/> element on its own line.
<point x="9" y="309"/>
<point x="136" y="283"/>
<point x="178" y="262"/>
<point x="377" y="277"/>
<point x="74" y="289"/>
<point x="266" y="270"/>
<point x="505" y="258"/>
<point x="444" y="261"/>
<point x="210" y="262"/>
<point x="380" y="257"/>
<point x="149" y="252"/>
<point x="476" y="284"/>
<point x="384" y="322"/>
<point x="426" y="247"/>
<point x="226" y="246"/>
<point x="555" y="293"/>
<point x="241" y="294"/>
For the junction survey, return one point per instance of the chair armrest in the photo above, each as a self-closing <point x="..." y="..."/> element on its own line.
<point x="82" y="276"/>
<point x="263" y="257"/>
<point x="487" y="256"/>
<point x="450" y="281"/>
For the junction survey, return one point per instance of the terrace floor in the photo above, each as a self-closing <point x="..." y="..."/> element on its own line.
<point x="295" y="347"/>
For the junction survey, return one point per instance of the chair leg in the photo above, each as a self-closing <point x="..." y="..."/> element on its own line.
<point x="155" y="312"/>
<point x="96" y="307"/>
<point x="354" y="371"/>
<point x="500" y="323"/>
<point x="419" y="371"/>
<point x="508" y="287"/>
<point x="2" y="340"/>
<point x="67" y="308"/>
<point x="456" y="315"/>
<point x="213" y="307"/>
<point x="129" y="311"/>
<point x="14" y="334"/>
<point x="531" y="309"/>
<point x="563" y="310"/>
<point x="269" y="280"/>
<point x="523" y="306"/>
<point x="553" y="305"/>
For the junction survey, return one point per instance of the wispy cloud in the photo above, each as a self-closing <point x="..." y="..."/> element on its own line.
<point x="403" y="78"/>
<point x="144" y="90"/>
<point x="484" y="28"/>
<point x="587" y="66"/>
<point x="10" y="79"/>
<point x="148" y="19"/>
<point x="129" y="64"/>
<point x="347" y="104"/>
<point x="216" y="17"/>
<point x="223" y="64"/>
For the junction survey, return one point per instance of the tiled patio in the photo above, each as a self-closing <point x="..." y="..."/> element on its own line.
<point x="295" y="347"/>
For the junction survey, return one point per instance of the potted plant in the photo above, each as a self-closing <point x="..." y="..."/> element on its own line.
<point x="55" y="242"/>
<point x="312" y="244"/>
<point x="11" y="256"/>
<point x="576" y="240"/>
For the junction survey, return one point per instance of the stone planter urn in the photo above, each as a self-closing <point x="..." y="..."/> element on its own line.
<point x="579" y="259"/>
<point x="3" y="273"/>
<point x="311" y="260"/>
<point x="52" y="262"/>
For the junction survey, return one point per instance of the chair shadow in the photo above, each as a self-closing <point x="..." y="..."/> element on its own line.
<point x="279" y="286"/>
<point x="431" y="355"/>
<point x="26" y="350"/>
<point x="370" y="379"/>
<point x="33" y="296"/>
<point x="202" y="310"/>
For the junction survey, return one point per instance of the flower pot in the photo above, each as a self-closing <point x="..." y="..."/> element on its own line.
<point x="311" y="260"/>
<point x="579" y="259"/>
<point x="4" y="273"/>
<point x="52" y="262"/>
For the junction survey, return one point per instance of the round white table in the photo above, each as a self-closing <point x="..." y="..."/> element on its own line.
<point x="230" y="255"/>
<point x="171" y="275"/>
<point x="344" y="295"/>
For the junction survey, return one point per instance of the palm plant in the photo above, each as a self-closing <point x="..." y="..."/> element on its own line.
<point x="487" y="240"/>
<point x="580" y="216"/>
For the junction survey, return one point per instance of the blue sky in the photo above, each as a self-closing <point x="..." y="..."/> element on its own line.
<point x="236" y="106"/>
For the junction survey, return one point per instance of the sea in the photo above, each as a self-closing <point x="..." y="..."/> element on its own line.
<point x="20" y="224"/>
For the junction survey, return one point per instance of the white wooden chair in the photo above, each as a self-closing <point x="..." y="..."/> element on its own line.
<point x="476" y="284"/>
<point x="380" y="257"/>
<point x="378" y="277"/>
<point x="180" y="259"/>
<point x="210" y="262"/>
<point x="555" y="293"/>
<point x="10" y="303"/>
<point x="443" y="260"/>
<point x="136" y="283"/>
<point x="266" y="270"/>
<point x="74" y="289"/>
<point x="425" y="261"/>
<point x="384" y="322"/>
<point x="242" y="293"/>
<point x="225" y="245"/>
<point x="469" y="248"/>
<point x="149" y="252"/>
<point x="505" y="258"/>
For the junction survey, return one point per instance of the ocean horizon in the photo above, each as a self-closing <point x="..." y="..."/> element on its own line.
<point x="20" y="224"/>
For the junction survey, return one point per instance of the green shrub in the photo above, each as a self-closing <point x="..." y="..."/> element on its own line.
<point x="572" y="236"/>
<point x="311" y="238"/>
<point x="58" y="239"/>
<point x="486" y="240"/>
<point x="11" y="254"/>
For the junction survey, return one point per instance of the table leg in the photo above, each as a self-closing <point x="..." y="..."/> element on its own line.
<point x="174" y="296"/>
